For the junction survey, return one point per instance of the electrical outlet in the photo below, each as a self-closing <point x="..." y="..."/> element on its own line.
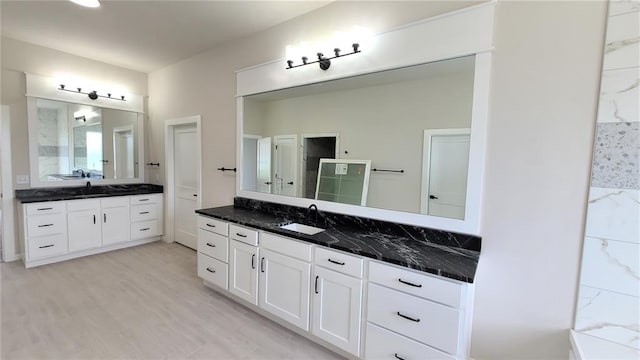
<point x="22" y="179"/>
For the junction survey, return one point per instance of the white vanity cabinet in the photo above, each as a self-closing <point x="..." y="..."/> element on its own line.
<point x="337" y="299"/>
<point x="146" y="215"/>
<point x="61" y="230"/>
<point x="243" y="260"/>
<point x="84" y="224"/>
<point x="422" y="316"/>
<point x="285" y="270"/>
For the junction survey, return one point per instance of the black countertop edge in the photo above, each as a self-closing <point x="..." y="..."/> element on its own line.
<point x="34" y="195"/>
<point x="449" y="262"/>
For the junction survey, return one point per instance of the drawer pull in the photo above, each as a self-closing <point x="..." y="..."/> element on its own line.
<point x="45" y="246"/>
<point x="143" y="212"/>
<point x="211" y="270"/>
<point x="143" y="200"/>
<point x="407" y="317"/>
<point x="397" y="356"/>
<point x="144" y="229"/>
<point x="316" y="285"/>
<point x="45" y="225"/>
<point x="241" y="235"/>
<point x="210" y="225"/>
<point x="44" y="209"/>
<point x="410" y="284"/>
<point x="210" y="244"/>
<point x="335" y="262"/>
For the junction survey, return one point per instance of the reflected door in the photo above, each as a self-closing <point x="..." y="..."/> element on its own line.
<point x="123" y="153"/>
<point x="264" y="165"/>
<point x="286" y="160"/>
<point x="447" y="163"/>
<point x="186" y="185"/>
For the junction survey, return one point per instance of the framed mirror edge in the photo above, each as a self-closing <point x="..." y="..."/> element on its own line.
<point x="34" y="179"/>
<point x="471" y="222"/>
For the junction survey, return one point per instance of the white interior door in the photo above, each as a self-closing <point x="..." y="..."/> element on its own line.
<point x="286" y="159"/>
<point x="186" y="185"/>
<point x="123" y="153"/>
<point x="264" y="165"/>
<point x="445" y="184"/>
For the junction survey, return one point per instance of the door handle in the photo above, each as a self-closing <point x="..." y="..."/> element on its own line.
<point x="433" y="197"/>
<point x="262" y="264"/>
<point x="94" y="219"/>
<point x="267" y="182"/>
<point x="316" y="285"/>
<point x="253" y="261"/>
<point x="195" y="195"/>
<point x="290" y="183"/>
<point x="104" y="218"/>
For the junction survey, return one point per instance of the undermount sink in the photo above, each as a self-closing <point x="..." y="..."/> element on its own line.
<point x="301" y="228"/>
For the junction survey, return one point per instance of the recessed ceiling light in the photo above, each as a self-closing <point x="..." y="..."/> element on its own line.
<point x="87" y="3"/>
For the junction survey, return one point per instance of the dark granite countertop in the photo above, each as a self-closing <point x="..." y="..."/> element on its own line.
<point x="410" y="251"/>
<point x="82" y="192"/>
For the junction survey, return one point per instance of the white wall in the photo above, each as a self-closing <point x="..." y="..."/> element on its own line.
<point x="543" y="98"/>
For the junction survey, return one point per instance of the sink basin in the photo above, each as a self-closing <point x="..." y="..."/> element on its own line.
<point x="305" y="229"/>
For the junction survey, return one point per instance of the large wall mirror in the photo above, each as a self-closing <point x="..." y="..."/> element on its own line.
<point x="74" y="143"/>
<point x="412" y="125"/>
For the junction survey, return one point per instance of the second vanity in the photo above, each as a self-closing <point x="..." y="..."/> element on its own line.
<point x="59" y="224"/>
<point x="364" y="288"/>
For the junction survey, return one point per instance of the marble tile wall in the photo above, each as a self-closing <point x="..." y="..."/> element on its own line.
<point x="609" y="293"/>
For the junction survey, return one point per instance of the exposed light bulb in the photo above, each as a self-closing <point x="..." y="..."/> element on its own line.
<point x="87" y="3"/>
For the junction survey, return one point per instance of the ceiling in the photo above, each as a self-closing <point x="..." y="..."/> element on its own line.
<point x="143" y="35"/>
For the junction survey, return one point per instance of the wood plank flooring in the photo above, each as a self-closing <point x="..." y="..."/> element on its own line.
<point x="144" y="302"/>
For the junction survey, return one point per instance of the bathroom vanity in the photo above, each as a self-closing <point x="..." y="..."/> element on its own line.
<point x="57" y="224"/>
<point x="364" y="288"/>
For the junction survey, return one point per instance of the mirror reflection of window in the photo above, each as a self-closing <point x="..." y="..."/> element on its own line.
<point x="94" y="149"/>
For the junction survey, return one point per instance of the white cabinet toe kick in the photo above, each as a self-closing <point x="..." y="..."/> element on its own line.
<point x="61" y="230"/>
<point x="357" y="307"/>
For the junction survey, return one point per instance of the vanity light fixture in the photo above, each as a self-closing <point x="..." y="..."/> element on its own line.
<point x="87" y="3"/>
<point x="324" y="62"/>
<point x="93" y="95"/>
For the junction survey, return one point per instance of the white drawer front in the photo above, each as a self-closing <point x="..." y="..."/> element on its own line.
<point x="286" y="246"/>
<point x="145" y="199"/>
<point x="46" y="225"/>
<point x="43" y="208"/>
<point x="46" y="246"/>
<point x="422" y="285"/>
<point x="422" y="320"/>
<point x="213" y="245"/>
<point x="340" y="262"/>
<point x="144" y="212"/>
<point x="212" y="270"/>
<point x="216" y="226"/>
<point x="244" y="235"/>
<point x="116" y="201"/>
<point x="80" y="205"/>
<point x="383" y="344"/>
<point x="144" y="229"/>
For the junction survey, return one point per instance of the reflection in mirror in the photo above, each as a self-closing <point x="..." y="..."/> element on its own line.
<point x="412" y="125"/>
<point x="76" y="142"/>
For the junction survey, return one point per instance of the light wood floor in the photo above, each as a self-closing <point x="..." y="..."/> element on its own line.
<point x="144" y="302"/>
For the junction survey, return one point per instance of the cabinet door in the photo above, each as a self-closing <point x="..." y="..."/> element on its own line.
<point x="337" y="306"/>
<point x="116" y="225"/>
<point x="284" y="287"/>
<point x="243" y="271"/>
<point x="84" y="229"/>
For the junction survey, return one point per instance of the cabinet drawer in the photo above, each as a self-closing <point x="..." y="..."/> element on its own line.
<point x="422" y="285"/>
<point x="81" y="205"/>
<point x="46" y="246"/>
<point x="384" y="344"/>
<point x="422" y="320"/>
<point x="46" y="225"/>
<point x="213" y="245"/>
<point x="217" y="226"/>
<point x="346" y="264"/>
<point x="52" y="207"/>
<point x="212" y="270"/>
<point x="144" y="212"/>
<point x="244" y="235"/>
<point x="286" y="246"/>
<point x="116" y="201"/>
<point x="144" y="229"/>
<point x="144" y="199"/>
